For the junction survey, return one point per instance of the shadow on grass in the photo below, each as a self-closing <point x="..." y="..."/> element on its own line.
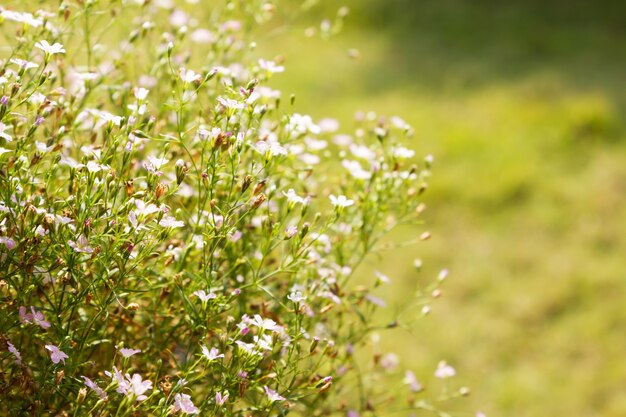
<point x="461" y="44"/>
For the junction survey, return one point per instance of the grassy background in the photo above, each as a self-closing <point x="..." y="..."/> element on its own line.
<point x="523" y="105"/>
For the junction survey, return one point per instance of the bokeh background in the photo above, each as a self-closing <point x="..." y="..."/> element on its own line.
<point x="522" y="103"/>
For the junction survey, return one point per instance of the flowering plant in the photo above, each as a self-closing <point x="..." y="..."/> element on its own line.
<point x="174" y="238"/>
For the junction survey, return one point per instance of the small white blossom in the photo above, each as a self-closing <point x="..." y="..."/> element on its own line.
<point x="340" y="201"/>
<point x="211" y="354"/>
<point x="56" y="48"/>
<point x="3" y="133"/>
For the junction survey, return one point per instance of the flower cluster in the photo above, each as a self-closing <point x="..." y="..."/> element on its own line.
<point x="173" y="238"/>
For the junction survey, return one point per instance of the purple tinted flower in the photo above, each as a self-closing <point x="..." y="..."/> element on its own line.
<point x="211" y="354"/>
<point x="183" y="403"/>
<point x="56" y="355"/>
<point x="99" y="391"/>
<point x="15" y="352"/>
<point x="127" y="352"/>
<point x="444" y="370"/>
<point x="273" y="395"/>
<point x="220" y="398"/>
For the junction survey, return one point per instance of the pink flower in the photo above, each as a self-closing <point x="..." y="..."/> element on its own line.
<point x="444" y="370"/>
<point x="15" y="352"/>
<point x="220" y="398"/>
<point x="412" y="382"/>
<point x="8" y="242"/>
<point x="183" y="403"/>
<point x="128" y="385"/>
<point x="273" y="395"/>
<point x="99" y="391"/>
<point x="81" y="245"/>
<point x="56" y="354"/>
<point x="127" y="352"/>
<point x="34" y="317"/>
<point x="39" y="319"/>
<point x="291" y="231"/>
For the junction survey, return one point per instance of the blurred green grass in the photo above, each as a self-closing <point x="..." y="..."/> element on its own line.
<point x="522" y="103"/>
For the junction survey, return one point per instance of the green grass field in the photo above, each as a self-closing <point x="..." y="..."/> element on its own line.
<point x="522" y="104"/>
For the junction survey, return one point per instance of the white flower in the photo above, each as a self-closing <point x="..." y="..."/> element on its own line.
<point x="301" y="124"/>
<point x="202" y="36"/>
<point x="128" y="385"/>
<point x="341" y="201"/>
<point x="188" y="76"/>
<point x="141" y="93"/>
<point x="401" y="152"/>
<point x="362" y="151"/>
<point x="356" y="170"/>
<point x="382" y="277"/>
<point x="183" y="403"/>
<point x="56" y="355"/>
<point x="294" y="198"/>
<point x="273" y="395"/>
<point x="211" y="354"/>
<point x="81" y="245"/>
<point x="56" y="48"/>
<point x="412" y="382"/>
<point x="270" y="66"/>
<point x="270" y="149"/>
<point x="202" y="295"/>
<point x="25" y="18"/>
<point x="3" y="133"/>
<point x="296" y="296"/>
<point x="169" y="221"/>
<point x="261" y="323"/>
<point x="444" y="370"/>
<point x="230" y="103"/>
<point x="23" y="63"/>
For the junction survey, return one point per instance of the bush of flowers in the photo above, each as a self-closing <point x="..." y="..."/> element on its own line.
<point x="174" y="237"/>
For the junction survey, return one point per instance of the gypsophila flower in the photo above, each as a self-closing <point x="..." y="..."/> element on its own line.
<point x="127" y="352"/>
<point x="188" y="76"/>
<point x="26" y="65"/>
<point x="294" y="198"/>
<point x="291" y="231"/>
<point x="15" y="352"/>
<point x="80" y="245"/>
<point x="221" y="398"/>
<point x="56" y="355"/>
<point x="273" y="395"/>
<point x="270" y="66"/>
<point x="3" y="134"/>
<point x="130" y="386"/>
<point x="183" y="403"/>
<point x="169" y="221"/>
<point x="99" y="391"/>
<point x="412" y="382"/>
<point x="211" y="354"/>
<point x="202" y="295"/>
<point x="55" y="48"/>
<point x="340" y="201"/>
<point x="34" y="317"/>
<point x="296" y="296"/>
<point x="444" y="370"/>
